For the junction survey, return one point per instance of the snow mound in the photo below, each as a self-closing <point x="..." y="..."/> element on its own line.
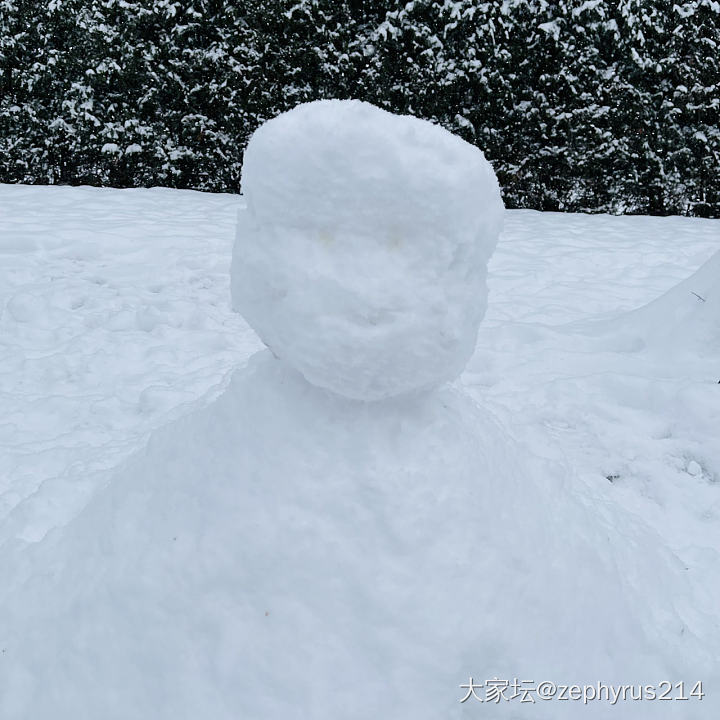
<point x="361" y="258"/>
<point x="682" y="323"/>
<point x="686" y="318"/>
<point x="288" y="553"/>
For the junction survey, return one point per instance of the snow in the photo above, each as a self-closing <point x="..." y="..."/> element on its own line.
<point x="278" y="551"/>
<point x="551" y="28"/>
<point x="97" y="344"/>
<point x="362" y="255"/>
<point x="391" y="543"/>
<point x="685" y="319"/>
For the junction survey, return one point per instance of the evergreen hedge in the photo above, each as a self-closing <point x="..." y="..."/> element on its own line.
<point x="581" y="105"/>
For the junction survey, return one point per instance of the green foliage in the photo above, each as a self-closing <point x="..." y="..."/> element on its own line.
<point x="581" y="105"/>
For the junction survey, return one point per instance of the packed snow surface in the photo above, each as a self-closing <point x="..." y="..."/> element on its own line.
<point x="278" y="551"/>
<point x="361" y="257"/>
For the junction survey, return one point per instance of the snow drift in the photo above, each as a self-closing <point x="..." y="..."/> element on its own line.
<point x="684" y="319"/>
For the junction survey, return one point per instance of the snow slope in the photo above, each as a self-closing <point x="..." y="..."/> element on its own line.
<point x="596" y="448"/>
<point x="684" y="320"/>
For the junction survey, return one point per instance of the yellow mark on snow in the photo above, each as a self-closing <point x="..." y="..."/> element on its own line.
<point x="325" y="237"/>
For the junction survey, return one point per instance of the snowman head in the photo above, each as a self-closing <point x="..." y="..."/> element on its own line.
<point x="361" y="256"/>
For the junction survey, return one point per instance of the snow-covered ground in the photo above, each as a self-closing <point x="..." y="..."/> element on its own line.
<point x="116" y="314"/>
<point x="116" y="320"/>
